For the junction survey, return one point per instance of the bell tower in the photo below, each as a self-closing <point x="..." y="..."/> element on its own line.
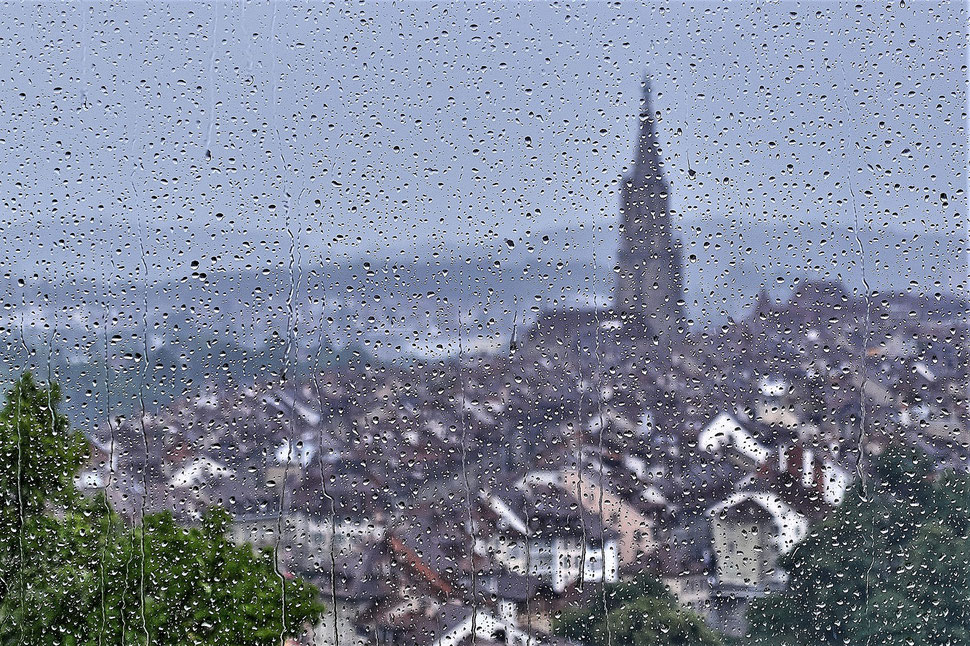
<point x="649" y="272"/>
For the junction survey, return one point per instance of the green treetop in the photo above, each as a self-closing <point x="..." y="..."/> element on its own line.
<point x="76" y="573"/>
<point x="890" y="566"/>
<point x="642" y="612"/>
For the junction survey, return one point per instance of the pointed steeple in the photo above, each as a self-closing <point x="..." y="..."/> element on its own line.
<point x="649" y="280"/>
<point x="647" y="163"/>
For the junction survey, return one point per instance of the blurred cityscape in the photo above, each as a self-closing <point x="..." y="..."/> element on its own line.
<point x="476" y="493"/>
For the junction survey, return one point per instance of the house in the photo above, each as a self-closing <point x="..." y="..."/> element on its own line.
<point x="633" y="518"/>
<point x="199" y="470"/>
<point x="774" y="404"/>
<point x="540" y="531"/>
<point x="804" y="478"/>
<point x="460" y="625"/>
<point x="455" y="624"/>
<point x="516" y="599"/>
<point x="749" y="531"/>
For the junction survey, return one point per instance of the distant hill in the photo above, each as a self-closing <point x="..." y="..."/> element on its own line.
<point x="231" y="325"/>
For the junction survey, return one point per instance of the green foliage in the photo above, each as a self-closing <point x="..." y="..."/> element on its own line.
<point x="637" y="613"/>
<point x="86" y="577"/>
<point x="890" y="567"/>
<point x="39" y="456"/>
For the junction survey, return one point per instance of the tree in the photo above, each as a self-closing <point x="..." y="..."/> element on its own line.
<point x="81" y="575"/>
<point x="39" y="457"/>
<point x="890" y="566"/>
<point x="638" y="613"/>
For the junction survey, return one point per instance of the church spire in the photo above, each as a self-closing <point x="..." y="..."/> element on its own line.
<point x="647" y="162"/>
<point x="649" y="280"/>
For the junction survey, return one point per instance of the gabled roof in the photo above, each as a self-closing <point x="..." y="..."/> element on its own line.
<point x="790" y="527"/>
<point x="547" y="511"/>
<point x="418" y="565"/>
<point x="725" y="430"/>
<point x="508" y="585"/>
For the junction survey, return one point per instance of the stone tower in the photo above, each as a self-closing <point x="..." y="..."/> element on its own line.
<point x="649" y="272"/>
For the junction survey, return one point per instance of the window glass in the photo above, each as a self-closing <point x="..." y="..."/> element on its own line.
<point x="516" y="323"/>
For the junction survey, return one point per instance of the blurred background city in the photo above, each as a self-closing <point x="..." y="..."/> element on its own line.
<point x="407" y="324"/>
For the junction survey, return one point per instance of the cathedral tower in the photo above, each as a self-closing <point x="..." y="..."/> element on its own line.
<point x="649" y="281"/>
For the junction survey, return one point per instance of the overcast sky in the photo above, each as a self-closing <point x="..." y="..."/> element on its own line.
<point x="401" y="129"/>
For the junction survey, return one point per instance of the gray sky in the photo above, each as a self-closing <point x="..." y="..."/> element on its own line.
<point x="401" y="129"/>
